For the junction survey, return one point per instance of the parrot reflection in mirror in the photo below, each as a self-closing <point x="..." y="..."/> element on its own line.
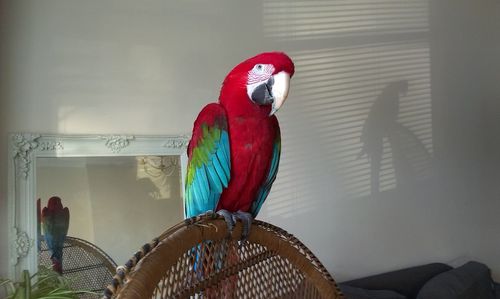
<point x="55" y="224"/>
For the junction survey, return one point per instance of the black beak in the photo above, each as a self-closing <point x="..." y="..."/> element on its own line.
<point x="263" y="94"/>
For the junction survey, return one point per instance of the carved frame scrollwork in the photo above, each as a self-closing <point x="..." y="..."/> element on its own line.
<point x="24" y="150"/>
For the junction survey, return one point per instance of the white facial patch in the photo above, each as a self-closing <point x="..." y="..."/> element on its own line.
<point x="260" y="73"/>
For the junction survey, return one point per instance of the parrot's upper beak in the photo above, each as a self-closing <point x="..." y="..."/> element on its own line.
<point x="280" y="90"/>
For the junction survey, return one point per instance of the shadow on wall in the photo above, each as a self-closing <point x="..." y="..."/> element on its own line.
<point x="348" y="101"/>
<point x="359" y="118"/>
<point x="410" y="158"/>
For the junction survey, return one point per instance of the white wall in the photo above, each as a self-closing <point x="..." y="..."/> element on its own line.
<point x="148" y="68"/>
<point x="489" y="247"/>
<point x="465" y="51"/>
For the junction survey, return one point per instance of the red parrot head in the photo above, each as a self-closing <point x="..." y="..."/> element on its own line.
<point x="261" y="82"/>
<point x="54" y="204"/>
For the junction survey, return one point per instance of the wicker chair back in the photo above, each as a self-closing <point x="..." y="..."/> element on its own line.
<point x="197" y="259"/>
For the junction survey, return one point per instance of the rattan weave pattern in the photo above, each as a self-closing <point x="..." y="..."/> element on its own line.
<point x="85" y="265"/>
<point x="197" y="259"/>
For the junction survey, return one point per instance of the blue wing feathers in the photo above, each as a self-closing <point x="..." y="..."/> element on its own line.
<point x="223" y="162"/>
<point x="202" y="183"/>
<point x="200" y="188"/>
<point x="215" y="182"/>
<point x="196" y="190"/>
<point x="213" y="199"/>
<point x="225" y="146"/>
<point x="209" y="173"/>
<point x="219" y="170"/>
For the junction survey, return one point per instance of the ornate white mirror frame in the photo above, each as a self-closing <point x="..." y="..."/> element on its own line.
<point x="24" y="148"/>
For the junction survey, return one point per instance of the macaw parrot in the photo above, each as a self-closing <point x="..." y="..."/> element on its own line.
<point x="234" y="151"/>
<point x="55" y="223"/>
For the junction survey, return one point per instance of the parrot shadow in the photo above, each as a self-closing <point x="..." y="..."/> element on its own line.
<point x="410" y="158"/>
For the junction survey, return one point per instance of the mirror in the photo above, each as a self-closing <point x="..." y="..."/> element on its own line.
<point x="121" y="191"/>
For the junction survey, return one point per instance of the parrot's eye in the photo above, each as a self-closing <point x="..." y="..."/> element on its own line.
<point x="258" y="67"/>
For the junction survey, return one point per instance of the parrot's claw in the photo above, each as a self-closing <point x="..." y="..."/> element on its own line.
<point x="210" y="214"/>
<point x="228" y="217"/>
<point x="246" y="219"/>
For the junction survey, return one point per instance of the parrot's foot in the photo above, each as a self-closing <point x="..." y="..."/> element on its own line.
<point x="210" y="214"/>
<point x="246" y="219"/>
<point x="228" y="217"/>
<point x="232" y="218"/>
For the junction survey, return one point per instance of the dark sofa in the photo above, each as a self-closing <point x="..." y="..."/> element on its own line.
<point x="433" y="281"/>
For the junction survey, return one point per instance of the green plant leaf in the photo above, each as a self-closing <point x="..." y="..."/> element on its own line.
<point x="47" y="284"/>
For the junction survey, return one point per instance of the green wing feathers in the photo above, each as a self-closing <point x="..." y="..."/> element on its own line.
<point x="209" y="165"/>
